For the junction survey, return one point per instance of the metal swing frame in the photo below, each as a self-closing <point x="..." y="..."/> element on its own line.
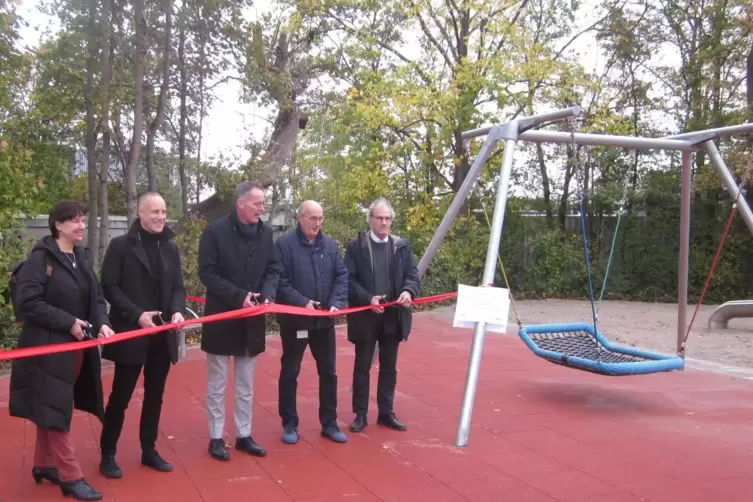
<point x="523" y="129"/>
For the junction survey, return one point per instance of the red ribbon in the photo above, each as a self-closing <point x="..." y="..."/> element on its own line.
<point x="271" y="308"/>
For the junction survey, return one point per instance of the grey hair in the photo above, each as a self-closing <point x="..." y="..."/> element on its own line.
<point x="381" y="201"/>
<point x="145" y="196"/>
<point x="242" y="190"/>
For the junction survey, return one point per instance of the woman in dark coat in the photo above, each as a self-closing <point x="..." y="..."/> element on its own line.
<point x="58" y="296"/>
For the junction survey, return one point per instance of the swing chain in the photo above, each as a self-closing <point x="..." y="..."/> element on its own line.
<point x="581" y="175"/>
<point x="621" y="211"/>
<point x="518" y="319"/>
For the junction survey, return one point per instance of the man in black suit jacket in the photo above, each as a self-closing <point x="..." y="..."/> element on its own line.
<point x="142" y="280"/>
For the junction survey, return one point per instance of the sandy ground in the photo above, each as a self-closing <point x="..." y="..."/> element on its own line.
<point x="649" y="325"/>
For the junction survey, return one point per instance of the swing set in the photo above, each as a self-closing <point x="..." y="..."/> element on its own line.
<point x="580" y="345"/>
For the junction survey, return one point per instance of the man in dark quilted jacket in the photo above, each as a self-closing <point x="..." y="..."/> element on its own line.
<point x="315" y="277"/>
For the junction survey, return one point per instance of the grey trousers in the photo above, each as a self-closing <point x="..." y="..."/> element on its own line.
<point x="218" y="368"/>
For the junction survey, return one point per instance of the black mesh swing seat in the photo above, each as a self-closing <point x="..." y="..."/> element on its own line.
<point x="580" y="346"/>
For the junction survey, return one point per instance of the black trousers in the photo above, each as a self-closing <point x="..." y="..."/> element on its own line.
<point x="388" y="345"/>
<point x="323" y="348"/>
<point x="124" y="382"/>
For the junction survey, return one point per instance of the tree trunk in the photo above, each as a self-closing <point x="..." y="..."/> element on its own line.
<point x="202" y="63"/>
<point x="198" y="152"/>
<point x="183" y="114"/>
<point x="569" y="170"/>
<point x="468" y="94"/>
<point x="104" y="171"/>
<point x="91" y="135"/>
<point x="159" y="114"/>
<point x="541" y="159"/>
<point x="545" y="184"/>
<point x="280" y="148"/>
<point x="636" y="131"/>
<point x="278" y="153"/>
<point x="138" y="109"/>
<point x="749" y="68"/>
<point x="275" y="202"/>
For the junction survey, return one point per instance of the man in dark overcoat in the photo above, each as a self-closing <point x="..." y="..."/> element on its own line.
<point x="381" y="268"/>
<point x="239" y="265"/>
<point x="142" y="280"/>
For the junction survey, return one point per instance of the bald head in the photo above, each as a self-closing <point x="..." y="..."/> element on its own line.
<point x="144" y="198"/>
<point x="152" y="212"/>
<point x="308" y="206"/>
<point x="310" y="217"/>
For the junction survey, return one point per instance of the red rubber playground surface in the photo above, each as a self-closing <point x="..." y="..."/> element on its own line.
<point x="540" y="433"/>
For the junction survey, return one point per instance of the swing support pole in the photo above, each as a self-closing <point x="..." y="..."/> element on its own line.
<point x="684" y="265"/>
<point x="510" y="134"/>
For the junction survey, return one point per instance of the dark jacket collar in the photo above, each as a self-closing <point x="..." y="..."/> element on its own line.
<point x="304" y="240"/>
<point x="364" y="238"/>
<point x="49" y="244"/>
<point x="81" y="254"/>
<point x="236" y="223"/>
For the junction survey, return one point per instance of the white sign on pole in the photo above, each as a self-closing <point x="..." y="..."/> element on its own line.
<point x="482" y="304"/>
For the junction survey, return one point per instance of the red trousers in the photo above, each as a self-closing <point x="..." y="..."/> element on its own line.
<point x="55" y="448"/>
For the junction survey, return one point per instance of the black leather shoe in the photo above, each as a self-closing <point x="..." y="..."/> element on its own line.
<point x="48" y="473"/>
<point x="358" y="424"/>
<point x="109" y="468"/>
<point x="152" y="459"/>
<point x="391" y="421"/>
<point x="249" y="446"/>
<point x="217" y="449"/>
<point x="79" y="490"/>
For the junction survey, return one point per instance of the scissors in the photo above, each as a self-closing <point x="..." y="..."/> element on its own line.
<point x="87" y="331"/>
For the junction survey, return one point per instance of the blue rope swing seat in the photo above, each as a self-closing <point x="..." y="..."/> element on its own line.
<point x="579" y="345"/>
<point x="582" y="346"/>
